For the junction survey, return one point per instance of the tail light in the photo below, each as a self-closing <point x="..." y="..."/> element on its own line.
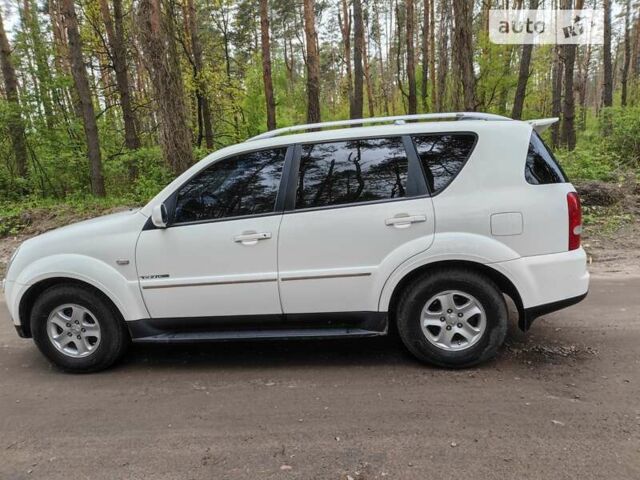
<point x="575" y="220"/>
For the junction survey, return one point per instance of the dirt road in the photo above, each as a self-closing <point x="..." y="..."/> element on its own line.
<point x="561" y="402"/>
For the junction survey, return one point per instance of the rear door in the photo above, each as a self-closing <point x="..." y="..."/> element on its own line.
<point x="356" y="209"/>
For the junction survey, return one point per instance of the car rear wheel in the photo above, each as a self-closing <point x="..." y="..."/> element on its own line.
<point x="452" y="318"/>
<point x="77" y="329"/>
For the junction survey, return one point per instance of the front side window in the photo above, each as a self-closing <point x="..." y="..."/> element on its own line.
<point x="246" y="184"/>
<point x="352" y="171"/>
<point x="443" y="156"/>
<point x="542" y="167"/>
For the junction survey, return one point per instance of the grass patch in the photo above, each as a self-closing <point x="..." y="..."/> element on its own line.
<point x="40" y="214"/>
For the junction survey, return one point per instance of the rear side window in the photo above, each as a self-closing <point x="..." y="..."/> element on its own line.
<point x="352" y="171"/>
<point x="443" y="156"/>
<point x="542" y="167"/>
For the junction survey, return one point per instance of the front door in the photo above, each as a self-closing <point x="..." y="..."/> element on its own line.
<point x="218" y="257"/>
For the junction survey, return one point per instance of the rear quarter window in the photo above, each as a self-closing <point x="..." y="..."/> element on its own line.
<point x="442" y="156"/>
<point x="542" y="167"/>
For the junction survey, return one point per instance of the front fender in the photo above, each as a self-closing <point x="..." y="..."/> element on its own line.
<point x="121" y="287"/>
<point x="449" y="247"/>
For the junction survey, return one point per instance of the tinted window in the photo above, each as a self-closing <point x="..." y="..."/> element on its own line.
<point x="236" y="186"/>
<point x="541" y="166"/>
<point x="351" y="171"/>
<point x="442" y="156"/>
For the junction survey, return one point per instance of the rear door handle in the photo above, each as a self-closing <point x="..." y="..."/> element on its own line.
<point x="251" y="238"/>
<point x="403" y="220"/>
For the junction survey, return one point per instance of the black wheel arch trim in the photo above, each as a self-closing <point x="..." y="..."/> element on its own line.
<point x="34" y="291"/>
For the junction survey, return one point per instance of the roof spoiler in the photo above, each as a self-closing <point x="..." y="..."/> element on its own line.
<point x="541" y="124"/>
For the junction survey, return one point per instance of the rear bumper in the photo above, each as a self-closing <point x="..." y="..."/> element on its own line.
<point x="530" y="314"/>
<point x="547" y="283"/>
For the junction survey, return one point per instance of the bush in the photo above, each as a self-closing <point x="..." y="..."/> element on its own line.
<point x="152" y="174"/>
<point x="620" y="129"/>
<point x="590" y="162"/>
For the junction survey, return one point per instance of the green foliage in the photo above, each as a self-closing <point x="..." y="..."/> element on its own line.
<point x="151" y="174"/>
<point x="11" y="222"/>
<point x="608" y="149"/>
<point x="231" y="78"/>
<point x="589" y="162"/>
<point x="620" y="129"/>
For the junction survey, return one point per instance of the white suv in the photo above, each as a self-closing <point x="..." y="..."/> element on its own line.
<point x="331" y="233"/>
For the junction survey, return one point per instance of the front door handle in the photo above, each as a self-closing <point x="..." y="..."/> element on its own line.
<point x="404" y="220"/>
<point x="251" y="238"/>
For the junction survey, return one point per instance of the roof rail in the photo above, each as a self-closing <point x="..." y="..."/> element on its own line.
<point x="398" y="120"/>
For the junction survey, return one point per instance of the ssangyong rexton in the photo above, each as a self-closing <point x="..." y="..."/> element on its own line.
<point x="330" y="233"/>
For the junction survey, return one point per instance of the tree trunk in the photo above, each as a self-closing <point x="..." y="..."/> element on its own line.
<point x="345" y="28"/>
<point x="61" y="59"/>
<point x="463" y="46"/>
<point x="367" y="70"/>
<point x="443" y="54"/>
<point x="523" y="75"/>
<point x="400" y="20"/>
<point x="158" y="41"/>
<point x="568" y="121"/>
<point x="607" y="87"/>
<point x="569" y="110"/>
<point x="425" y="54"/>
<point x="584" y="62"/>
<point x="358" y="72"/>
<point x="627" y="53"/>
<point x="313" y="63"/>
<point x="432" y="53"/>
<point x="635" y="56"/>
<point x="204" y="112"/>
<point x="118" y="53"/>
<point x="47" y="93"/>
<point x="15" y="123"/>
<point x="411" y="58"/>
<point x="381" y="70"/>
<point x="266" y="65"/>
<point x="556" y="95"/>
<point x="84" y="97"/>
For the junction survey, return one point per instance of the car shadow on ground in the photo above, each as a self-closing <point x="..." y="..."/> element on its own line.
<point x="272" y="353"/>
<point x="363" y="352"/>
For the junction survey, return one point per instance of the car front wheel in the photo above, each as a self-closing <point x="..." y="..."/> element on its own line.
<point x="77" y="329"/>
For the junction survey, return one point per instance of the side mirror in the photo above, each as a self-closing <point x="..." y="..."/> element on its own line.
<point x="159" y="216"/>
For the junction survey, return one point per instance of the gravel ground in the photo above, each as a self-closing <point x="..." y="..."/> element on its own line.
<point x="561" y="402"/>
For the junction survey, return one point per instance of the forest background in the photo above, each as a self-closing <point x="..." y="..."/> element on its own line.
<point x="103" y="102"/>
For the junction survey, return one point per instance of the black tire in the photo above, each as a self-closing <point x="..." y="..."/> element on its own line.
<point x="114" y="335"/>
<point x="414" y="298"/>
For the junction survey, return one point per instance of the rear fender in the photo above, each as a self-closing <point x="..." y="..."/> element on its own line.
<point x="450" y="247"/>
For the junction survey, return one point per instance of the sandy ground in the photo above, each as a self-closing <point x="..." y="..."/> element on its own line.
<point x="560" y="402"/>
